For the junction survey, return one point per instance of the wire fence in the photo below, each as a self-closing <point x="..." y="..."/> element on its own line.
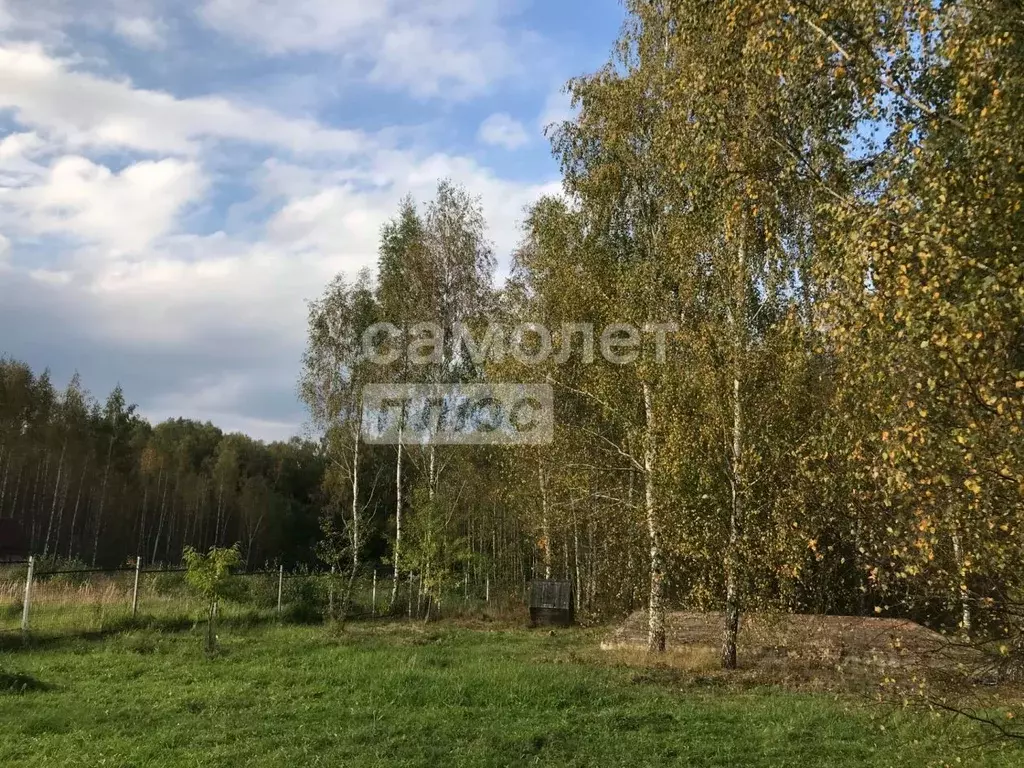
<point x="39" y="600"/>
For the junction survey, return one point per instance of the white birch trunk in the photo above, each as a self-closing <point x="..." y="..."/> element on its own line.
<point x="962" y="589"/>
<point x="56" y="495"/>
<point x="545" y="526"/>
<point x="354" y="528"/>
<point x="732" y="589"/>
<point x="103" y="499"/>
<point x="656" y="604"/>
<point x="398" y="518"/>
<point x="3" y="486"/>
<point x="74" y="514"/>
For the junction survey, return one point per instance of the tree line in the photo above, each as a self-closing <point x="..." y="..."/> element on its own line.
<point x="94" y="482"/>
<point x="824" y="203"/>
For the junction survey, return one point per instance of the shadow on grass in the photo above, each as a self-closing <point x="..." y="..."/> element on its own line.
<point x="15" y="683"/>
<point x="295" y="615"/>
<point x="16" y="641"/>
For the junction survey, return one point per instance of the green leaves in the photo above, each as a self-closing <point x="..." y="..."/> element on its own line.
<point x="208" y="575"/>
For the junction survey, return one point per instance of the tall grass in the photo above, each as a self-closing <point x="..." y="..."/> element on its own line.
<point x="84" y="602"/>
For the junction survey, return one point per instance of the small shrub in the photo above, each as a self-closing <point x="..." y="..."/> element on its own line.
<point x="306" y="601"/>
<point x="168" y="584"/>
<point x="143" y="643"/>
<point x="12" y="610"/>
<point x="209" y="576"/>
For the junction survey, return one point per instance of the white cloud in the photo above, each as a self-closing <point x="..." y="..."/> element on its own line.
<point x="557" y="109"/>
<point x="38" y="18"/>
<point x="102" y="183"/>
<point x="225" y="307"/>
<point x="448" y="48"/>
<point x="295" y="25"/>
<point x="83" y="110"/>
<point x="148" y="34"/>
<point x="125" y="212"/>
<point x="55" y="277"/>
<point x="429" y="62"/>
<point x="325" y="214"/>
<point x="18" y="155"/>
<point x="190" y="285"/>
<point x="18" y="146"/>
<point x="502" y="130"/>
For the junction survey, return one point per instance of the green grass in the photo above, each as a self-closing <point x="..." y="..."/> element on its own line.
<point x="436" y="696"/>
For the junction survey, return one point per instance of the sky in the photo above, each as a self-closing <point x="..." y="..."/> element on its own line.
<point x="179" y="177"/>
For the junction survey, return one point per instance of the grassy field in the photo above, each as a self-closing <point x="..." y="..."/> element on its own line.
<point x="427" y="696"/>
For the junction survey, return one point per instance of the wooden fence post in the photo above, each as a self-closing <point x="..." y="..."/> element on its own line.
<point x="135" y="589"/>
<point x="487" y="590"/>
<point x="280" y="588"/>
<point x="373" y="600"/>
<point x="28" y="595"/>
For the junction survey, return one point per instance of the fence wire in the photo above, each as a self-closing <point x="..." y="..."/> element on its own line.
<point x="87" y="601"/>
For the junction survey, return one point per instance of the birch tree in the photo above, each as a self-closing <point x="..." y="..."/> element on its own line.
<point x="334" y="372"/>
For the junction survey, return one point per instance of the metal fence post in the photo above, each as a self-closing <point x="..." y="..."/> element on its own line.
<point x="373" y="599"/>
<point x="135" y="589"/>
<point x="280" y="587"/>
<point x="28" y="595"/>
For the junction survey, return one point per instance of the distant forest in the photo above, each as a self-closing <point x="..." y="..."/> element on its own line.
<point x="95" y="482"/>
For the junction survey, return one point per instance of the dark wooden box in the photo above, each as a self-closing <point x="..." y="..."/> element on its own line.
<point x="552" y="603"/>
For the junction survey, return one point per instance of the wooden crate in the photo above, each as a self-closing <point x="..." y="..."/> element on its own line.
<point x="552" y="603"/>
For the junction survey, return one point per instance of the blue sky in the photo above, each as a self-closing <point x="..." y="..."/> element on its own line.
<point x="178" y="177"/>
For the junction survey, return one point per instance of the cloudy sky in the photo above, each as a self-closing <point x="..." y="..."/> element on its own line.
<point x="178" y="177"/>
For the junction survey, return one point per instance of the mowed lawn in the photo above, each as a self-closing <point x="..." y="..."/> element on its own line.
<point x="429" y="696"/>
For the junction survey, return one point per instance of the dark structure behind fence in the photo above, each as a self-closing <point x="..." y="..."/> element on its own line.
<point x="552" y="603"/>
<point x="13" y="544"/>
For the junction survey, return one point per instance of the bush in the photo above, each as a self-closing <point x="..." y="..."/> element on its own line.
<point x="12" y="610"/>
<point x="306" y="600"/>
<point x="167" y="584"/>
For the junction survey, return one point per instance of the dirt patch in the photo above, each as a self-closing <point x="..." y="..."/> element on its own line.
<point x="820" y="652"/>
<point x="830" y="639"/>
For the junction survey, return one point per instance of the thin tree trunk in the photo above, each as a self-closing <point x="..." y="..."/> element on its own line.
<point x="220" y="506"/>
<point x="60" y="515"/>
<point x="160" y="519"/>
<point x="103" y="500"/>
<point x="3" y="486"/>
<point x="591" y="564"/>
<point x="398" y="517"/>
<point x="17" y="492"/>
<point x="354" y="527"/>
<point x="74" y="514"/>
<point x="31" y="515"/>
<point x="545" y="527"/>
<point x="962" y="587"/>
<point x="630" y="560"/>
<point x="142" y="518"/>
<point x="656" y="605"/>
<point x="56" y="495"/>
<point x="576" y="551"/>
<point x="432" y="473"/>
<point x="223" y="535"/>
<point x="732" y="588"/>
